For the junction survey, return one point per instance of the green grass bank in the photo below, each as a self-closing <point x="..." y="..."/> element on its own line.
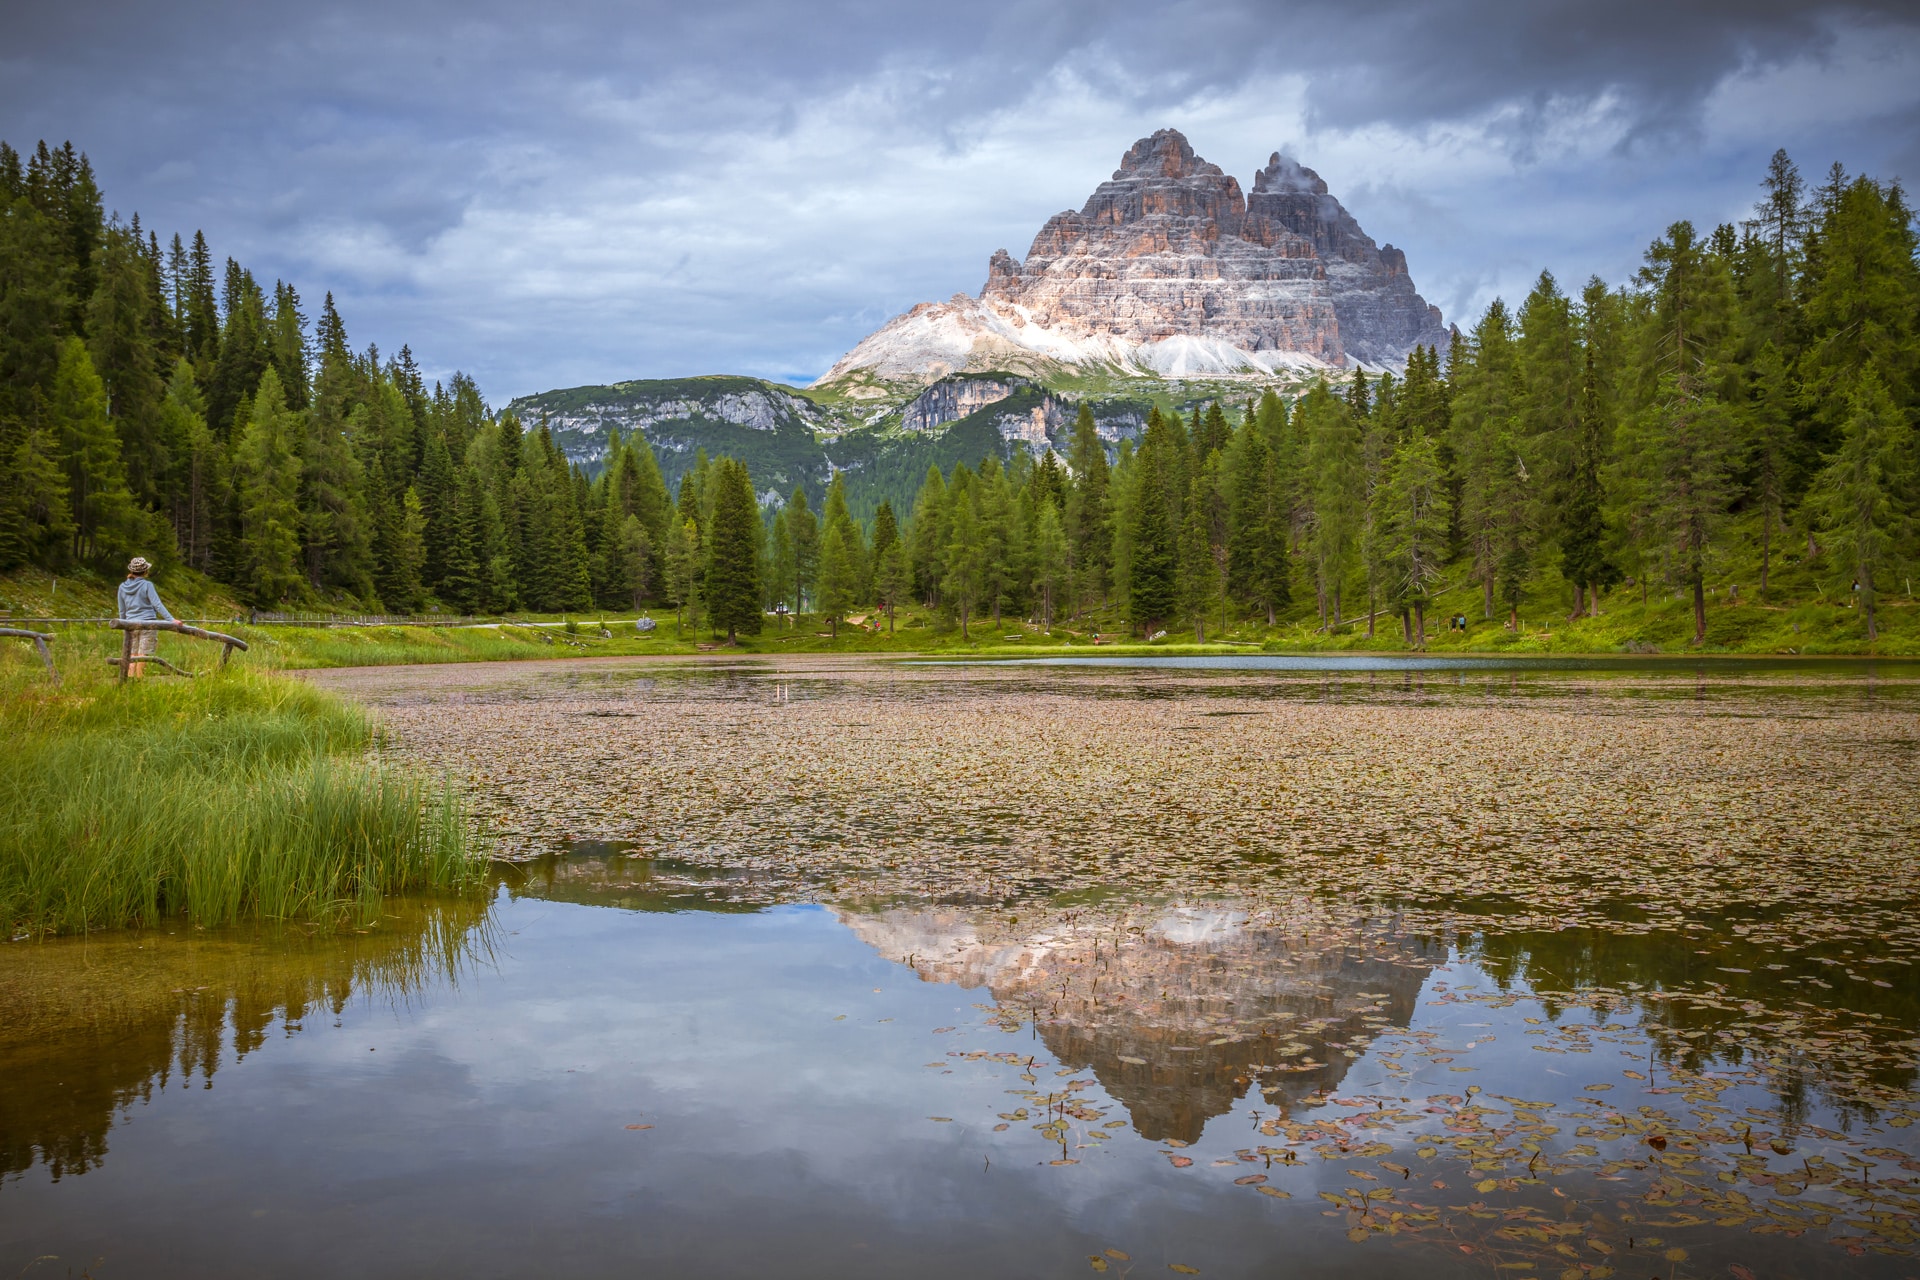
<point x="1797" y="619"/>
<point x="240" y="795"/>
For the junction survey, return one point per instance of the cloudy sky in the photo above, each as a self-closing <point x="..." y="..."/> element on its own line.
<point x="586" y="191"/>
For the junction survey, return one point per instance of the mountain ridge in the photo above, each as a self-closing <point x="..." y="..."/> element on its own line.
<point x="1169" y="270"/>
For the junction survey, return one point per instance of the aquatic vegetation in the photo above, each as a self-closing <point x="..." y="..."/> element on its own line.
<point x="241" y="795"/>
<point x="1626" y="963"/>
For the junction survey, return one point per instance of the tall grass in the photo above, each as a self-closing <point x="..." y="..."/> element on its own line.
<point x="237" y="795"/>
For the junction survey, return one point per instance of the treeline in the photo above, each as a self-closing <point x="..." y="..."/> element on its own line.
<point x="151" y="404"/>
<point x="1750" y="390"/>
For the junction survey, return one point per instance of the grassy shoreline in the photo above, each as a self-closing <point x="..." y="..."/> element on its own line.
<point x="1627" y="625"/>
<point x="242" y="795"/>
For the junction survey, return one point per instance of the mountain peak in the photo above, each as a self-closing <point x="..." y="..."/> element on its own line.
<point x="1170" y="268"/>
<point x="1165" y="153"/>
<point x="1286" y="176"/>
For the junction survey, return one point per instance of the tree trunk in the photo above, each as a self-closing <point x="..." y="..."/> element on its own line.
<point x="1699" y="609"/>
<point x="1579" y="603"/>
<point x="1370" y="609"/>
<point x="1867" y="598"/>
<point x="1419" y="624"/>
<point x="1486" y="594"/>
<point x="1406" y="626"/>
<point x="963" y="623"/>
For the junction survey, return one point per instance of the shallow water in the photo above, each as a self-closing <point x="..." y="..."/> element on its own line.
<point x="677" y="1041"/>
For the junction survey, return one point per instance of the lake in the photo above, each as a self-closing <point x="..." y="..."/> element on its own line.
<point x="839" y="968"/>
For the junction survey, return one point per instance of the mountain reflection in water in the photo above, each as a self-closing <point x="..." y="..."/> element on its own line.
<point x="1179" y="1011"/>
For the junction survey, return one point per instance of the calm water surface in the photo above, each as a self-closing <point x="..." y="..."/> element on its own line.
<point x="620" y="1064"/>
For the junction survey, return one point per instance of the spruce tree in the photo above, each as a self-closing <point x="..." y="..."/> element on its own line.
<point x="267" y="477"/>
<point x="733" y="553"/>
<point x="964" y="563"/>
<point x="636" y="547"/>
<point x="1417" y="524"/>
<point x="837" y="577"/>
<point x="1864" y="497"/>
<point x="1583" y="554"/>
<point x="804" y="533"/>
<point x="1089" y="533"/>
<point x="36" y="523"/>
<point x="893" y="579"/>
<point x="1338" y="493"/>
<point x="104" y="519"/>
<point x="1153" y="550"/>
<point x="1052" y="567"/>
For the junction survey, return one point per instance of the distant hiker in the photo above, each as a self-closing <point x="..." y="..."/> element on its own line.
<point x="140" y="602"/>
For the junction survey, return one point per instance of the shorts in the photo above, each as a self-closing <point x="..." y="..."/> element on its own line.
<point x="144" y="642"/>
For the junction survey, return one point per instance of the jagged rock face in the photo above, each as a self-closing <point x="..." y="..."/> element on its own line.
<point x="952" y="398"/>
<point x="1170" y="268"/>
<point x="1381" y="317"/>
<point x="1177" y="1020"/>
<point x="1156" y="253"/>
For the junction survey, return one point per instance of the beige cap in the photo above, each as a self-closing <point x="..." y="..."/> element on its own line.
<point x="139" y="565"/>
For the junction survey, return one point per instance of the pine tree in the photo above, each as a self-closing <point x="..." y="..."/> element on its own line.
<point x="1864" y="497"/>
<point x="1052" y="563"/>
<point x="733" y="553"/>
<point x="36" y="526"/>
<point x="202" y="313"/>
<point x="1088" y="528"/>
<point x="267" y="478"/>
<point x="837" y="577"/>
<point x="463" y="580"/>
<point x="893" y="579"/>
<point x="1000" y="537"/>
<point x="1583" y="553"/>
<point x="121" y="345"/>
<point x="1685" y="438"/>
<point x="1153" y="545"/>
<point x="834" y="514"/>
<point x="964" y="580"/>
<point x="1336" y="465"/>
<point x="928" y="535"/>
<point x="803" y="531"/>
<point x="1417" y="524"/>
<point x="636" y="547"/>
<point x="105" y="521"/>
<point x="683" y="572"/>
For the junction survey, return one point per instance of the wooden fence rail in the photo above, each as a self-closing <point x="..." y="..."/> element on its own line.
<point x="39" y="639"/>
<point x="129" y="626"/>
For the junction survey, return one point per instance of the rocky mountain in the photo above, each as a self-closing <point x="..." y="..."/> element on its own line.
<point x="1169" y="270"/>
<point x="1180" y="1015"/>
<point x="787" y="439"/>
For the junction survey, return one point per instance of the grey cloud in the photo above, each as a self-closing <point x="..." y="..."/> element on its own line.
<point x="363" y="147"/>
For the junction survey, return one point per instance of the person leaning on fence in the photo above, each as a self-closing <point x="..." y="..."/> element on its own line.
<point x="140" y="602"/>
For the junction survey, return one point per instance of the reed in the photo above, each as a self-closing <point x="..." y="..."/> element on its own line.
<point x="238" y="795"/>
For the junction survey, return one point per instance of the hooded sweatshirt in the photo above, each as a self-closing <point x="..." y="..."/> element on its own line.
<point x="139" y="602"/>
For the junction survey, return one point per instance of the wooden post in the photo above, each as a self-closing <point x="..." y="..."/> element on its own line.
<point x="126" y="654"/>
<point x="39" y="639"/>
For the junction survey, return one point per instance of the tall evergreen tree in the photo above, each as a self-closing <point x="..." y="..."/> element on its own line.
<point x="267" y="468"/>
<point x="105" y="521"/>
<point x="1864" y="498"/>
<point x="733" y="556"/>
<point x="1088" y="528"/>
<point x="1153" y="557"/>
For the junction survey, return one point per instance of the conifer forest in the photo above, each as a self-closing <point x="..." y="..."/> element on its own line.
<point x="1736" y="420"/>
